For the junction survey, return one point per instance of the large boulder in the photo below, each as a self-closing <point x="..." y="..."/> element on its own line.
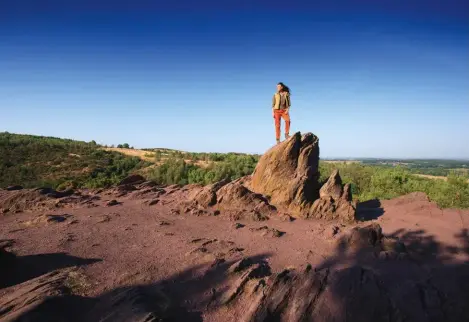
<point x="289" y="173"/>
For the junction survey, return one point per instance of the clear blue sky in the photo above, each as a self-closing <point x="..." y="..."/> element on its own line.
<point x="370" y="78"/>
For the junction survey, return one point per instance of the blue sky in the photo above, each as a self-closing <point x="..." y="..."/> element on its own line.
<point x="371" y="79"/>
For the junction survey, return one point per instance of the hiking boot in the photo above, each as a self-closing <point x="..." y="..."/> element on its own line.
<point x="287" y="136"/>
<point x="278" y="141"/>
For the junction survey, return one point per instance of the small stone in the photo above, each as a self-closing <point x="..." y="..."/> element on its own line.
<point x="286" y="217"/>
<point x="56" y="218"/>
<point x="334" y="230"/>
<point x="269" y="231"/>
<point x="105" y="218"/>
<point x="153" y="202"/>
<point x="235" y="250"/>
<point x="259" y="228"/>
<point x="112" y="202"/>
<point x="277" y="233"/>
<point x="175" y="212"/>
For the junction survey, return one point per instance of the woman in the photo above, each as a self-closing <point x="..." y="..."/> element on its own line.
<point x="280" y="108"/>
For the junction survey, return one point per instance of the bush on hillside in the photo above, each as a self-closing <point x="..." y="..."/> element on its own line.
<point x="370" y="182"/>
<point x="33" y="161"/>
<point x="177" y="170"/>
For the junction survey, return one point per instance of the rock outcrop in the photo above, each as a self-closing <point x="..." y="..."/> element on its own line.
<point x="335" y="201"/>
<point x="207" y="196"/>
<point x="353" y="286"/>
<point x="288" y="174"/>
<point x="42" y="199"/>
<point x="233" y="198"/>
<point x="235" y="195"/>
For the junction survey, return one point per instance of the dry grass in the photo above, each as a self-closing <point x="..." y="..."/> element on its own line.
<point x="77" y="282"/>
<point x="150" y="156"/>
<point x="428" y="176"/>
<point x="144" y="155"/>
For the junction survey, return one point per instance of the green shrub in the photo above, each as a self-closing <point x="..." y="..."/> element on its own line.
<point x="369" y="182"/>
<point x="33" y="161"/>
<point x="176" y="170"/>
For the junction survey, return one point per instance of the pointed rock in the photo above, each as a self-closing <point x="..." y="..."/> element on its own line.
<point x="333" y="186"/>
<point x="347" y="194"/>
<point x="288" y="173"/>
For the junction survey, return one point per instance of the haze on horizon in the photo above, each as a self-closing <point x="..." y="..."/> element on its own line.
<point x="387" y="79"/>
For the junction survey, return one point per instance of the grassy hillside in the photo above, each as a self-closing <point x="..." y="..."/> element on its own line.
<point x="33" y="161"/>
<point x="44" y="161"/>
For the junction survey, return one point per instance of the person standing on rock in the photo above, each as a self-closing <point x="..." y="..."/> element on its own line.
<point x="280" y="109"/>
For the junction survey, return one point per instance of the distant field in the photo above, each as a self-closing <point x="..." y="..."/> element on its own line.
<point x="427" y="176"/>
<point x="150" y="156"/>
<point x="431" y="177"/>
<point x="341" y="161"/>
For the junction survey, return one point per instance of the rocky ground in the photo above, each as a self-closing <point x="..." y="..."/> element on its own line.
<point x="274" y="246"/>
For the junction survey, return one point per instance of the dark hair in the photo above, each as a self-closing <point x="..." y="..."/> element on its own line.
<point x="284" y="87"/>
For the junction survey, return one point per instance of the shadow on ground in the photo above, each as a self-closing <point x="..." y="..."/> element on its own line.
<point x="430" y="283"/>
<point x="24" y="268"/>
<point x="369" y="210"/>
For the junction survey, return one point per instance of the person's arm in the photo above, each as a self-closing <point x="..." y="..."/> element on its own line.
<point x="288" y="104"/>
<point x="273" y="105"/>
